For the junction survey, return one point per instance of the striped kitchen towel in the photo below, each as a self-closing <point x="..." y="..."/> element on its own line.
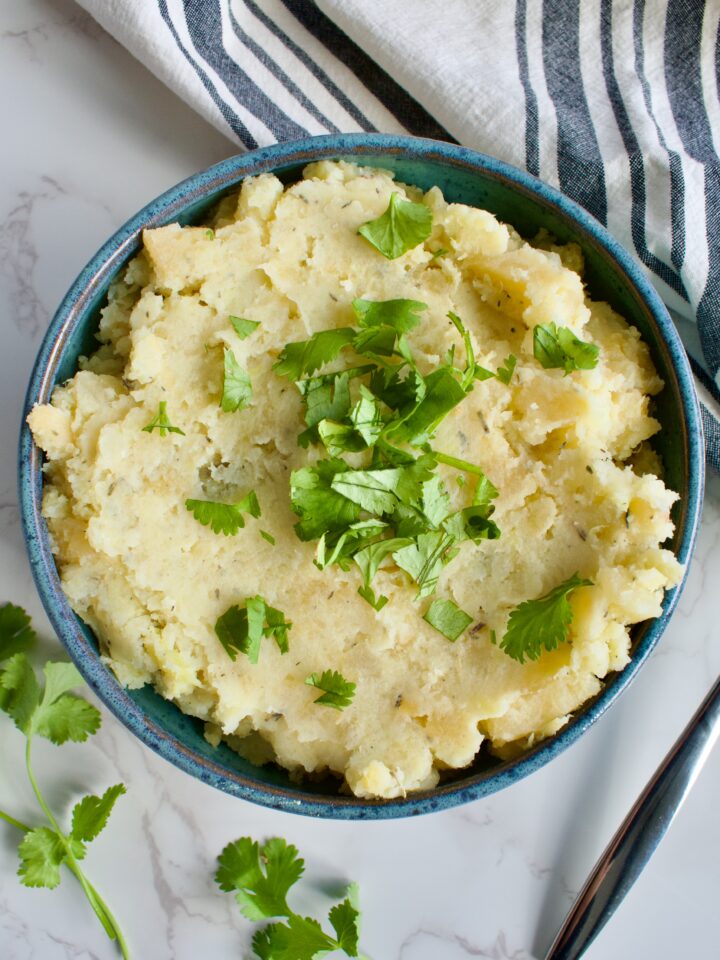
<point x="613" y="101"/>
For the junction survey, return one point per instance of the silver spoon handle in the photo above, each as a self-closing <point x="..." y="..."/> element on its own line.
<point x="640" y="832"/>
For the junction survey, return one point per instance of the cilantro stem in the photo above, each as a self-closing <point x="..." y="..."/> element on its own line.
<point x="101" y="909"/>
<point x="13" y="822"/>
<point x="457" y="464"/>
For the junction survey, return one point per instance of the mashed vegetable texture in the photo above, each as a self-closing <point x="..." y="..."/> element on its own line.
<point x="574" y="494"/>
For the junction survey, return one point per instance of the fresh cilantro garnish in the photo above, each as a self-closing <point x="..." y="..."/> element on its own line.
<point x="424" y="559"/>
<point x="541" y="624"/>
<point x="558" y="347"/>
<point x="241" y="629"/>
<point x="261" y="876"/>
<point x="53" y="712"/>
<point x="338" y="692"/>
<point x="321" y="508"/>
<point x="16" y="632"/>
<point x="447" y="618"/>
<point x="403" y="226"/>
<point x="304" y="357"/>
<point x="161" y="422"/>
<point x="242" y="327"/>
<point x="397" y="506"/>
<point x="224" y="518"/>
<point x="268" y="536"/>
<point x="237" y="389"/>
<point x="210" y="234"/>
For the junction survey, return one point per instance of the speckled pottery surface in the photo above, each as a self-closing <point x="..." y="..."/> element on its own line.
<point x="464" y="176"/>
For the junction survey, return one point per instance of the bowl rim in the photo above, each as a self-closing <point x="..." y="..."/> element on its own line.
<point x="80" y="297"/>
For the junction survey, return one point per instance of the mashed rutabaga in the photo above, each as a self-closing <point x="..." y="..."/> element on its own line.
<point x="575" y="496"/>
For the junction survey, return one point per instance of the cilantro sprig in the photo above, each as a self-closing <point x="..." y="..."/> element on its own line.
<point x="261" y="876"/>
<point x="401" y="227"/>
<point x="51" y="711"/>
<point x="224" y="518"/>
<point x="558" y="347"/>
<point x="541" y="624"/>
<point x="337" y="692"/>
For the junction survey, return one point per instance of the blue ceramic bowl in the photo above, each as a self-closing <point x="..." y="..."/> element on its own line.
<point x="464" y="176"/>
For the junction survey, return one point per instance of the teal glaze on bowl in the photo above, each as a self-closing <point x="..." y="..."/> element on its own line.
<point x="464" y="176"/>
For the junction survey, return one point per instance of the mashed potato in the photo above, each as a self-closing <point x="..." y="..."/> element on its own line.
<point x="151" y="581"/>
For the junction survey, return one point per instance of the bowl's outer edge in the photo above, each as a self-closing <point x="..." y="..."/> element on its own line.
<point x="163" y="210"/>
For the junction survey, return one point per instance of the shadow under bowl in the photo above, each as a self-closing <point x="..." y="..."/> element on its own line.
<point x="464" y="176"/>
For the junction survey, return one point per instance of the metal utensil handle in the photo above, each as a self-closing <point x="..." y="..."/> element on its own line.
<point x="640" y="832"/>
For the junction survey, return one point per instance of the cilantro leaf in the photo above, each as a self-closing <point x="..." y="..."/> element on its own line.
<point x="339" y="437"/>
<point x="373" y="490"/>
<point x="346" y="546"/>
<point x="237" y="389"/>
<point x="505" y="371"/>
<point x="303" y="357"/>
<point x="542" y="623"/>
<point x="366" y="417"/>
<point x="423" y="560"/>
<point x="41" y="854"/>
<point x="301" y="938"/>
<point x="435" y="501"/>
<point x="558" y="347"/>
<point x="326" y="398"/>
<point x="401" y="315"/>
<point x="345" y="920"/>
<point x="260" y="876"/>
<point x="368" y="594"/>
<point x="161" y="422"/>
<point x="469" y="374"/>
<point x="241" y="629"/>
<point x="321" y="508"/>
<point x="371" y="557"/>
<point x="91" y="814"/>
<point x="268" y="536"/>
<point x="16" y="632"/>
<point x="62" y="716"/>
<point x="442" y="394"/>
<point x="224" y="518"/>
<point x="60" y="677"/>
<point x="447" y="618"/>
<point x="67" y="718"/>
<point x="338" y="692"/>
<point x="20" y="691"/>
<point x="242" y="327"/>
<point x="403" y="226"/>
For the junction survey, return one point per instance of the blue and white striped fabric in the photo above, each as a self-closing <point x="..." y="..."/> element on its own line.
<point x="614" y="101"/>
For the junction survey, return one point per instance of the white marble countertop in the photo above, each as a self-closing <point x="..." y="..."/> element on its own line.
<point x="89" y="137"/>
